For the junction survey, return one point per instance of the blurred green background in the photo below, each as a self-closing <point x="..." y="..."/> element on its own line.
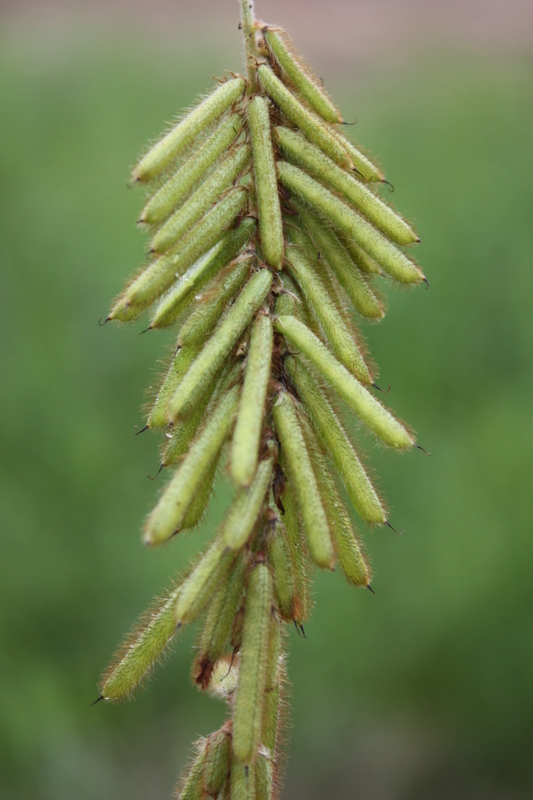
<point x="423" y="691"/>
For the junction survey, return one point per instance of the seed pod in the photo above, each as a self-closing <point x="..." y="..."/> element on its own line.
<point x="158" y="416"/>
<point x="213" y="301"/>
<point x="168" y="515"/>
<point x="266" y="182"/>
<point x="198" y="589"/>
<point x="161" y="274"/>
<point x="244" y="513"/>
<point x="352" y="392"/>
<point x="192" y="788"/>
<point x="280" y="559"/>
<point x="347" y="548"/>
<point x="219" y="623"/>
<point x="263" y="778"/>
<point x="301" y="474"/>
<point x="242" y="786"/>
<point x="360" y="258"/>
<point x="220" y="345"/>
<point x="201" y="200"/>
<point x="337" y="333"/>
<point x="217" y="762"/>
<point x="198" y="506"/>
<point x="354" y="283"/>
<point x="186" y="131"/>
<point x="275" y="672"/>
<point x="350" y="223"/>
<point x="250" y="694"/>
<point x="314" y="128"/>
<point x="336" y="443"/>
<point x="362" y="163"/>
<point x="180" y="184"/>
<point x="300" y="78"/>
<point x="297" y="149"/>
<point x="142" y="650"/>
<point x="247" y="433"/>
<point x="295" y="538"/>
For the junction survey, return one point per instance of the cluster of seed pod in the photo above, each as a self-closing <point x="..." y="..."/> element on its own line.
<point x="267" y="235"/>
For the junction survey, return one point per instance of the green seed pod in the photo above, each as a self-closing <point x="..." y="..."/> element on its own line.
<point x="242" y="786"/>
<point x="250" y="694"/>
<point x="246" y="509"/>
<point x="299" y="76"/>
<point x="198" y="589"/>
<point x="198" y="506"/>
<point x="263" y="778"/>
<point x="142" y="650"/>
<point x="247" y="433"/>
<point x="337" y="333"/>
<point x="336" y="443"/>
<point x="168" y="515"/>
<point x="158" y="416"/>
<point x="347" y="548"/>
<point x="217" y="762"/>
<point x="192" y="788"/>
<point x="295" y="537"/>
<point x="275" y="672"/>
<point x="347" y="387"/>
<point x="266" y="182"/>
<point x="314" y="128"/>
<point x="350" y="223"/>
<point x="174" y="190"/>
<point x="297" y="149"/>
<point x="201" y="200"/>
<point x="161" y="274"/>
<point x="219" y="623"/>
<point x="213" y="301"/>
<point x="186" y="131"/>
<point x="302" y="477"/>
<point x="280" y="559"/>
<point x="354" y="283"/>
<point x="361" y="259"/>
<point x="220" y="345"/>
<point x="362" y="163"/>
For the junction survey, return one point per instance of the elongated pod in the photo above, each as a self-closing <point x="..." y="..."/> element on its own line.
<point x="314" y="128"/>
<point x="172" y="193"/>
<point x="250" y="694"/>
<point x="301" y="474"/>
<point x="300" y="151"/>
<point x="176" y="140"/>
<point x="158" y="415"/>
<point x="247" y="433"/>
<point x="192" y="787"/>
<point x="280" y="559"/>
<point x="242" y="784"/>
<point x="352" y="392"/>
<point x="243" y="514"/>
<point x="336" y="443"/>
<point x="169" y="513"/>
<point x="299" y="557"/>
<point x="264" y="781"/>
<point x="350" y="223"/>
<point x="300" y="78"/>
<point x="364" y="166"/>
<point x="217" y="761"/>
<point x="266" y="181"/>
<point x="201" y="585"/>
<point x="220" y="345"/>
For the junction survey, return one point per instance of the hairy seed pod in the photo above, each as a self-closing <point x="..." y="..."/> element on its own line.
<point x="347" y="548"/>
<point x="302" y="477"/>
<point x="186" y="131"/>
<point x="142" y="650"/>
<point x="362" y="163"/>
<point x="300" y="78"/>
<point x="158" y="416"/>
<point x="161" y="274"/>
<point x="360" y="258"/>
<point x="247" y="433"/>
<point x="201" y="200"/>
<point x="280" y="559"/>
<point x="242" y="786"/>
<point x="350" y="223"/>
<point x="192" y="788"/>
<point x="219" y="347"/>
<point x="266" y="182"/>
<point x="219" y="623"/>
<point x="244" y="513"/>
<point x="168" y="515"/>
<point x="271" y="713"/>
<point x="347" y="387"/>
<point x="314" y="128"/>
<point x="334" y="252"/>
<point x="171" y="194"/>
<point x="337" y="333"/>
<point x="198" y="589"/>
<point x="298" y="150"/>
<point x="250" y="694"/>
<point x="336" y="443"/>
<point x="263" y="778"/>
<point x="198" y="506"/>
<point x="217" y="762"/>
<point x="295" y="538"/>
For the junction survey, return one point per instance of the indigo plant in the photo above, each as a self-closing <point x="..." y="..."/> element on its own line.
<point x="268" y="234"/>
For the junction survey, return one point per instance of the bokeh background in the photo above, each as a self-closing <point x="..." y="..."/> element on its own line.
<point x="421" y="692"/>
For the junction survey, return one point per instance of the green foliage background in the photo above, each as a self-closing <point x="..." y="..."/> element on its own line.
<point x="423" y="691"/>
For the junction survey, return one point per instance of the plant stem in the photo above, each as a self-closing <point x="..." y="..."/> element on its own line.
<point x="248" y="29"/>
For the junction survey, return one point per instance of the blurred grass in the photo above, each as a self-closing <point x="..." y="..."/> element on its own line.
<point x="423" y="691"/>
